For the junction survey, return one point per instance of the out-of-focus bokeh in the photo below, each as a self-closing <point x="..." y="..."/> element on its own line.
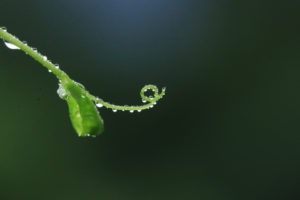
<point x="227" y="129"/>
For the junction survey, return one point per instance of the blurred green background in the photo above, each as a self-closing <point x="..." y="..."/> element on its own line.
<point x="227" y="129"/>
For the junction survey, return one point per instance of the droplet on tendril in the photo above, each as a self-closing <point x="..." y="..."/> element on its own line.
<point x="4" y="28"/>
<point x="99" y="105"/>
<point x="11" y="46"/>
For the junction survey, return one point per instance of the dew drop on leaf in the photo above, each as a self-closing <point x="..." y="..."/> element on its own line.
<point x="61" y="92"/>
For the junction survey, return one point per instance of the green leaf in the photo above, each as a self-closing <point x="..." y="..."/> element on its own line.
<point x="84" y="115"/>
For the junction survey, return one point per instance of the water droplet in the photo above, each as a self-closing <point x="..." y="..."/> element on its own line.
<point x="56" y="66"/>
<point x="45" y="58"/>
<point x="139" y="110"/>
<point x="82" y="96"/>
<point x="151" y="106"/>
<point x="25" y="42"/>
<point x="49" y="71"/>
<point x="99" y="105"/>
<point x="131" y="111"/>
<point x="11" y="46"/>
<point x="88" y="135"/>
<point x="144" y="101"/>
<point x="80" y="85"/>
<point x="114" y="110"/>
<point x="61" y="91"/>
<point x="4" y="28"/>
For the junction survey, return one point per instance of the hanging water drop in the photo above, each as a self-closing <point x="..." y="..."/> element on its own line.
<point x="45" y="58"/>
<point x="56" y="66"/>
<point x="49" y="71"/>
<point x="144" y="101"/>
<point x="11" y="46"/>
<point x="131" y="111"/>
<point x="4" y="28"/>
<point x="99" y="105"/>
<point x="139" y="110"/>
<point x="61" y="91"/>
<point x="114" y="110"/>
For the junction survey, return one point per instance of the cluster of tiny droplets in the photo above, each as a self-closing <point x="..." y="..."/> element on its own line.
<point x="131" y="108"/>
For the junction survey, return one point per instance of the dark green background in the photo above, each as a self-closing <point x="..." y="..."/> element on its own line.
<point x="227" y="129"/>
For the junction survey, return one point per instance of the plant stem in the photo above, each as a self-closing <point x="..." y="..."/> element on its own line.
<point x="61" y="75"/>
<point x="65" y="79"/>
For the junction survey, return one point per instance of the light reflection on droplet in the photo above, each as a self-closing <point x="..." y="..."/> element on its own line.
<point x="99" y="105"/>
<point x="11" y="46"/>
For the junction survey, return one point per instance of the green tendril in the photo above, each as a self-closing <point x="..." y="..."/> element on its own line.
<point x="77" y="105"/>
<point x="151" y="100"/>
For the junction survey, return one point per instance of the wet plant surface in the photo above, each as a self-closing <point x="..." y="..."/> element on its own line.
<point x="227" y="128"/>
